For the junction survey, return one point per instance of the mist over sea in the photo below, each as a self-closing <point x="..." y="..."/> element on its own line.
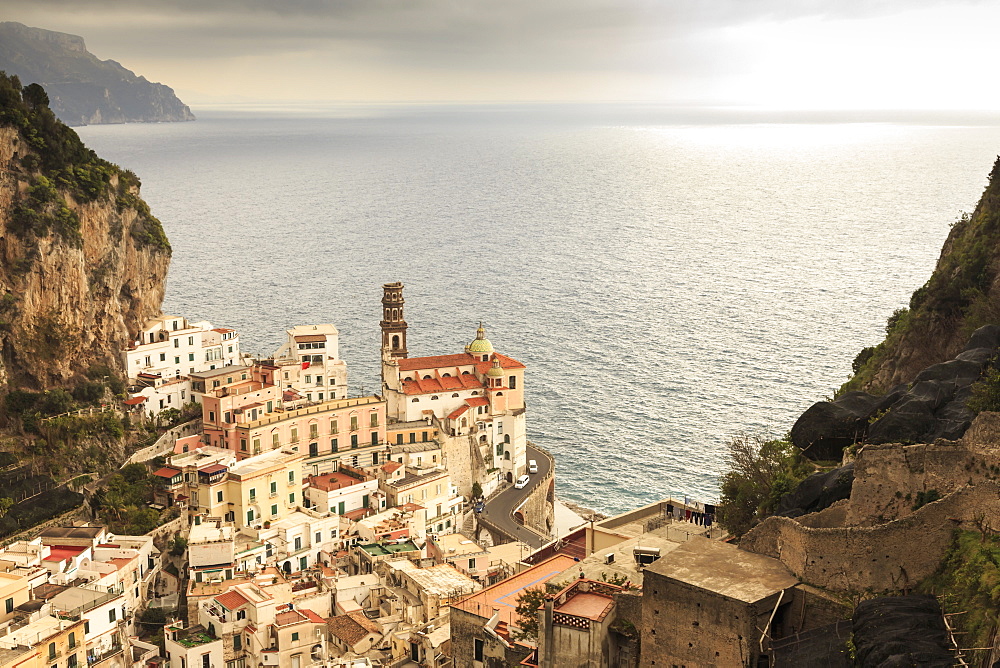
<point x="670" y="277"/>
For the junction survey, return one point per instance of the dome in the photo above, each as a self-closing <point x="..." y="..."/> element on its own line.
<point x="496" y="370"/>
<point x="480" y="344"/>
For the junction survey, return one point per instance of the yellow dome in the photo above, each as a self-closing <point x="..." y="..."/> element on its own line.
<point x="480" y="344"/>
<point x="495" y="370"/>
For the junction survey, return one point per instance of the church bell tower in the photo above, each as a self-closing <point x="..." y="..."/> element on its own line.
<point x="393" y="325"/>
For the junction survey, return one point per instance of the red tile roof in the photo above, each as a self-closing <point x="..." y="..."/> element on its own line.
<point x="222" y="330"/>
<point x="457" y="413"/>
<point x="134" y="401"/>
<point x="232" y="600"/>
<point x="167" y="472"/>
<point x="442" y="384"/>
<point x="390" y="467"/>
<point x="477" y="401"/>
<point x="214" y="468"/>
<point x="505" y="363"/>
<point x="436" y="362"/>
<point x="313" y="617"/>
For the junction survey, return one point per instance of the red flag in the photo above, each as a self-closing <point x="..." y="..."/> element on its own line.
<point x="305" y="364"/>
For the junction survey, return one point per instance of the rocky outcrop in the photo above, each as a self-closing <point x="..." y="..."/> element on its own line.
<point x="933" y="406"/>
<point x="962" y="294"/>
<point x="84" y="90"/>
<point x="82" y="261"/>
<point x="817" y="492"/>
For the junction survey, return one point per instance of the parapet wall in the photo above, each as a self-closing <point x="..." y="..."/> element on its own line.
<point x="886" y="557"/>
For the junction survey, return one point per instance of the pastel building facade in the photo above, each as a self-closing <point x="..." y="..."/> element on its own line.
<point x="309" y="364"/>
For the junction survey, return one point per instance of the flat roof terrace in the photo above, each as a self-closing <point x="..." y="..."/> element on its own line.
<point x="502" y="597"/>
<point x="385" y="549"/>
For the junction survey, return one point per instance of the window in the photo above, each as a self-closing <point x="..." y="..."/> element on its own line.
<point x="333" y="445"/>
<point x="206" y="661"/>
<point x="52" y="651"/>
<point x="250" y="516"/>
<point x="177" y="343"/>
<point x="163" y="357"/>
<point x="374" y="419"/>
<point x="295" y="637"/>
<point x="72" y="640"/>
<point x="86" y="627"/>
<point x="477" y="653"/>
<point x="291" y="498"/>
<point x="274" y="440"/>
<point x="354" y="440"/>
<point x="512" y="382"/>
<point x="313" y="450"/>
<point x="424" y="437"/>
<point x="274" y="510"/>
<point x="309" y="379"/>
<point x="313" y="430"/>
<point x="9" y="605"/>
<point x="374" y="438"/>
<point x="298" y="543"/>
<point x="190" y="357"/>
<point x="112" y="614"/>
<point x="237" y="641"/>
<point x="218" y="495"/>
<point x="177" y="359"/>
<point x="253" y="494"/>
<point x="274" y="488"/>
<point x="319" y="537"/>
<point x="333" y="426"/>
<point x="399" y="439"/>
<point x="472" y="564"/>
<point x="241" y="614"/>
<point x="295" y="435"/>
<point x="256" y="445"/>
<point x="190" y="340"/>
<point x="243" y="444"/>
<point x="291" y="477"/>
<point x="211" y="416"/>
<point x="413" y="437"/>
<point x="354" y="423"/>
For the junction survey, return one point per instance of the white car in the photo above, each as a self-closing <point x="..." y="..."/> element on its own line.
<point x="532" y="466"/>
<point x="521" y="482"/>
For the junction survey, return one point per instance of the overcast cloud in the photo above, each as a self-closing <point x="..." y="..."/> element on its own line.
<point x="813" y="54"/>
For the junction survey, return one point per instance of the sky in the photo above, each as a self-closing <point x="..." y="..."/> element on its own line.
<point x="772" y="54"/>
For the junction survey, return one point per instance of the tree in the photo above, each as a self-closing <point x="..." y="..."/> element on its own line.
<point x="178" y="545"/>
<point x="5" y="505"/>
<point x="528" y="603"/>
<point x="477" y="490"/>
<point x="758" y="473"/>
<point x="35" y="95"/>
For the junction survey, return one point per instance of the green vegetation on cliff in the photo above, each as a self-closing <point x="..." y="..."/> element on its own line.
<point x="961" y="295"/>
<point x="59" y="164"/>
<point x="758" y="473"/>
<point x="968" y="584"/>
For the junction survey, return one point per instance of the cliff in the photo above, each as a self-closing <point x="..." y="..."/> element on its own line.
<point x="82" y="260"/>
<point x="962" y="294"/>
<point x="83" y="89"/>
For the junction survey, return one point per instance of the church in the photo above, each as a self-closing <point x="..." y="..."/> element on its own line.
<point x="475" y="398"/>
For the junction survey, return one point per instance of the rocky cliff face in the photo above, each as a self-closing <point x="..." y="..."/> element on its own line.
<point x="83" y="89"/>
<point x="82" y="260"/>
<point x="961" y="295"/>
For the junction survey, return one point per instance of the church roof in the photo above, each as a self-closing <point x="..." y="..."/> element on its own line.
<point x="436" y="362"/>
<point x="444" y="384"/>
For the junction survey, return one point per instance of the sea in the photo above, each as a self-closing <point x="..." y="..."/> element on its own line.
<point x="671" y="277"/>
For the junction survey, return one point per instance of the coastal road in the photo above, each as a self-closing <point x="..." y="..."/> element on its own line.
<point x="500" y="508"/>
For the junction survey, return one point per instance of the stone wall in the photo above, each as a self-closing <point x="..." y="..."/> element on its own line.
<point x="889" y="478"/>
<point x="538" y="508"/>
<point x="883" y="558"/>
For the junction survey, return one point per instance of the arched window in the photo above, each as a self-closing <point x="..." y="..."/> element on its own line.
<point x="465" y="373"/>
<point x="446" y="375"/>
<point x="506" y="455"/>
<point x="465" y="423"/>
<point x="499" y="394"/>
<point x="506" y="438"/>
<point x="427" y="377"/>
<point x="387" y="311"/>
<point x="395" y="341"/>
<point x="454" y="395"/>
<point x="415" y="400"/>
<point x="433" y="397"/>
